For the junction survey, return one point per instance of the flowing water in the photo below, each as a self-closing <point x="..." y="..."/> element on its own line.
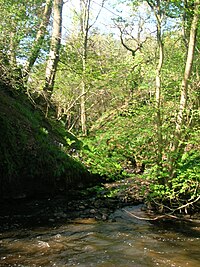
<point x="122" y="241"/>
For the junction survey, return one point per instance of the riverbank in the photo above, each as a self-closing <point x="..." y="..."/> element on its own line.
<point x="97" y="203"/>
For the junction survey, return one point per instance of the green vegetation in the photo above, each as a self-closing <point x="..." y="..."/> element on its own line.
<point x="118" y="147"/>
<point x="132" y="98"/>
<point x="34" y="156"/>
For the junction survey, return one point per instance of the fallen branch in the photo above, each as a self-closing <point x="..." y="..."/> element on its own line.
<point x="166" y="215"/>
<point x="151" y="219"/>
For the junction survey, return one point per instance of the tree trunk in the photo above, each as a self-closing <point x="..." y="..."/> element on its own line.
<point x="39" y="38"/>
<point x="188" y="69"/>
<point x="156" y="7"/>
<point x="54" y="47"/>
<point x="85" y="12"/>
<point x="12" y="55"/>
<point x="13" y="43"/>
<point x="158" y="88"/>
<point x="180" y="122"/>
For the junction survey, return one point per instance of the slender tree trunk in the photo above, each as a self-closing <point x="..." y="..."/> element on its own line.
<point x="12" y="55"/>
<point x="180" y="122"/>
<point x="188" y="69"/>
<point x="13" y="43"/>
<point x="85" y="12"/>
<point x="39" y="38"/>
<point x="156" y="7"/>
<point x="158" y="88"/>
<point x="82" y="109"/>
<point x="184" y="28"/>
<point x="54" y="47"/>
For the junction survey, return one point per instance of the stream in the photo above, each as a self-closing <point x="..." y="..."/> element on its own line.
<point x="122" y="241"/>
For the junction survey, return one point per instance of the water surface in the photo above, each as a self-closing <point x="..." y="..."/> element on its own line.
<point x="123" y="241"/>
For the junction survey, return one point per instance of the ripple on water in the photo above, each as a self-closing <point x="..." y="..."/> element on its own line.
<point x="122" y="243"/>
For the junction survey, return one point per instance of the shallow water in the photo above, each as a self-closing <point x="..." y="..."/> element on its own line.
<point x="123" y="241"/>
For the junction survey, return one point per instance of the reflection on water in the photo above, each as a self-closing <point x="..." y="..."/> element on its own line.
<point x="125" y="242"/>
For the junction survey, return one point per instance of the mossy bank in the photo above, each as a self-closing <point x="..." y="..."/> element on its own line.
<point x="35" y="152"/>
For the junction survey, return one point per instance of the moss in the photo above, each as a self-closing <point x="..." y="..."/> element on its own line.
<point x="31" y="161"/>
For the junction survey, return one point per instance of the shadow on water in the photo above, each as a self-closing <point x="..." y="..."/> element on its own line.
<point x="189" y="229"/>
<point x="120" y="241"/>
<point x="183" y="237"/>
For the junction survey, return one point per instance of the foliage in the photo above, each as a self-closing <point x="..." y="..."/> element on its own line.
<point x="104" y="71"/>
<point x="18" y="25"/>
<point x="116" y="147"/>
<point x="180" y="190"/>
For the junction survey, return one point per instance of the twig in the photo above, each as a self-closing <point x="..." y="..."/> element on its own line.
<point x="179" y="208"/>
<point x="188" y="204"/>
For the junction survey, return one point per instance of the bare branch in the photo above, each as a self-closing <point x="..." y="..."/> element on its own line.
<point x="101" y="7"/>
<point x="150" y="219"/>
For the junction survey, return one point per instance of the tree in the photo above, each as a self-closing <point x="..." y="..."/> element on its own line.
<point x="107" y="79"/>
<point x="54" y="48"/>
<point x="37" y="44"/>
<point x="85" y="26"/>
<point x="181" y="118"/>
<point x="84" y="21"/>
<point x="18" y="25"/>
<point x="158" y="12"/>
<point x="188" y="68"/>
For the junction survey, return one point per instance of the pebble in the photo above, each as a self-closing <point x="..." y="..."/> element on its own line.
<point x="104" y="217"/>
<point x="52" y="210"/>
<point x="92" y="211"/>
